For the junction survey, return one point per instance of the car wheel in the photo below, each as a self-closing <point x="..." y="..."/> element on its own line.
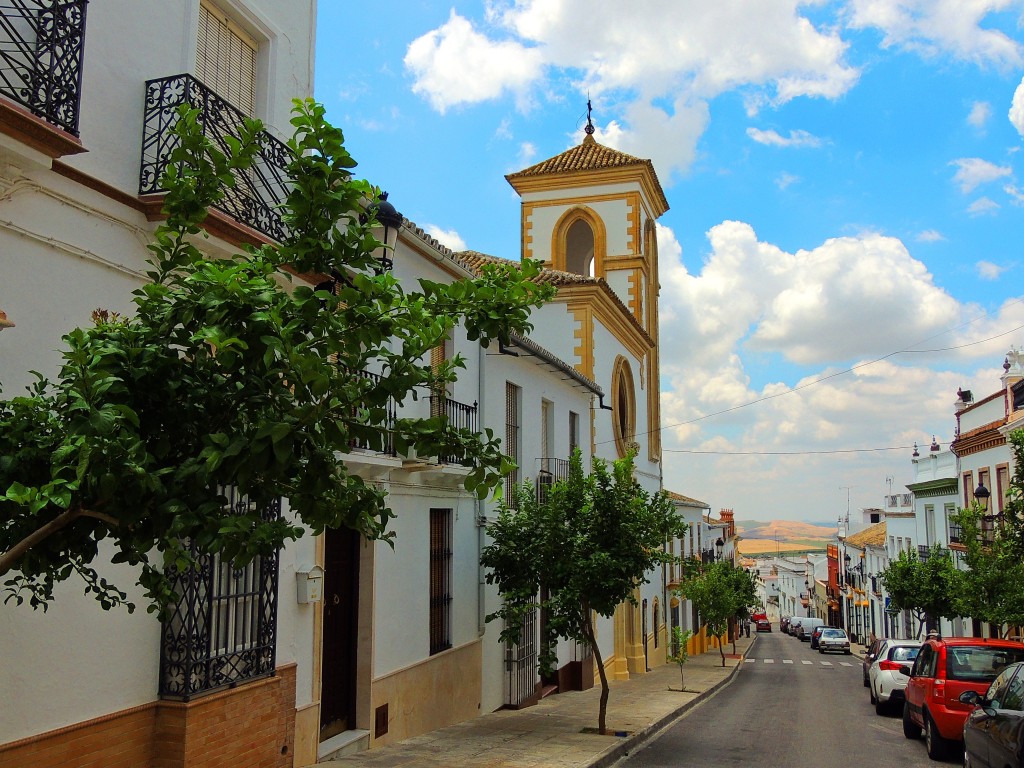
<point x="847" y="651"/>
<point x="910" y="729"/>
<point x="936" y="746"/>
<point x="967" y="760"/>
<point x="881" y="707"/>
<point x="866" y="683"/>
<point x="821" y="651"/>
<point x="871" y="695"/>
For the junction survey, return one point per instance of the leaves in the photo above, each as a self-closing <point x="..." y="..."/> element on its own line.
<point x="227" y="375"/>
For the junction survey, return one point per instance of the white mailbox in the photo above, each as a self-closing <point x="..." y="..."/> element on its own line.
<point x="310" y="585"/>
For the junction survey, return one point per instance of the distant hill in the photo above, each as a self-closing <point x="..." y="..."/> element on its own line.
<point x="784" y="536"/>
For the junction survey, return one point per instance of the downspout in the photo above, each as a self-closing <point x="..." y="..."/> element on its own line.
<point x="481" y="518"/>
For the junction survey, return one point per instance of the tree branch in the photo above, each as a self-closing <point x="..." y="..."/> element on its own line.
<point x="10" y="558"/>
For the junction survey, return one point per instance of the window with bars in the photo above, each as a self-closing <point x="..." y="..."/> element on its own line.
<point x="513" y="425"/>
<point x="440" y="580"/>
<point x="226" y="58"/>
<point x="574" y="431"/>
<point x="222" y="629"/>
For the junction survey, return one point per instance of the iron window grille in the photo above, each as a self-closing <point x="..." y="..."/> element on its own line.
<point x="223" y="628"/>
<point x="440" y="580"/>
<point x="390" y="411"/>
<point x="42" y="44"/>
<point x="551" y="471"/>
<point x="259" y="191"/>
<point x="955" y="533"/>
<point x="513" y="425"/>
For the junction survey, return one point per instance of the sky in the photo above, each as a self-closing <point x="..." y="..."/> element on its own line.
<point x="843" y="246"/>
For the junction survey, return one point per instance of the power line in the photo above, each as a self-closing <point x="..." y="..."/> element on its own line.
<point x="787" y="453"/>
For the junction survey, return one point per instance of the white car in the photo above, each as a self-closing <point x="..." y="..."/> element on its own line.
<point x="834" y="639"/>
<point x="885" y="681"/>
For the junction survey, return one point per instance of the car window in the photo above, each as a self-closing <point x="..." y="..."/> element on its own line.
<point x="833" y="633"/>
<point x="979" y="663"/>
<point x="903" y="653"/>
<point x="996" y="691"/>
<point x="1014" y="696"/>
<point x="922" y="666"/>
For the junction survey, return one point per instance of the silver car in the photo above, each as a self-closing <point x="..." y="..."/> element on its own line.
<point x="886" y="682"/>
<point x="833" y="639"/>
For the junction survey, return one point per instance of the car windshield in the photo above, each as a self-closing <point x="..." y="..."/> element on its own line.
<point x="903" y="653"/>
<point x="833" y="633"/>
<point x="979" y="663"/>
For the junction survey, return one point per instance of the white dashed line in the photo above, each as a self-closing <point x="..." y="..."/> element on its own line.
<point x="845" y="664"/>
<point x="769" y="661"/>
<point x="826" y="663"/>
<point x="787" y="661"/>
<point x="749" y="661"/>
<point x="804" y="661"/>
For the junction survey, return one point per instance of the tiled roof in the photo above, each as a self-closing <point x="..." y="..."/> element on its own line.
<point x="587" y="156"/>
<point x="685" y="499"/>
<point x="872" y="536"/>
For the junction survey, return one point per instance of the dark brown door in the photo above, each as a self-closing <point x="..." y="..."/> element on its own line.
<point x="341" y="608"/>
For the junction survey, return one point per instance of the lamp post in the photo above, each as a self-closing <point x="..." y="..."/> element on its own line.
<point x="807" y="591"/>
<point x="719" y="546"/>
<point x="391" y="220"/>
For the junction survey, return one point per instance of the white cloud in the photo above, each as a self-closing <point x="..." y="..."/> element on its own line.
<point x="936" y="28"/>
<point x="1017" y="108"/>
<point x="989" y="271"/>
<point x="454" y="64"/>
<point x="775" y="139"/>
<point x="980" y="112"/>
<point x="1016" y="195"/>
<point x="446" y="237"/>
<point x="783" y="180"/>
<point x="692" y="51"/>
<point x="982" y="206"/>
<point x="527" y="152"/>
<point x="930" y="236"/>
<point x="973" y="171"/>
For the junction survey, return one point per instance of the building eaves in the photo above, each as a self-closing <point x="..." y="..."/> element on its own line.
<point x="553" y="362"/>
<point x="686" y="501"/>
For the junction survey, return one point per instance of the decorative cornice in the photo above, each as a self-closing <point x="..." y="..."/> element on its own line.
<point x="34" y="132"/>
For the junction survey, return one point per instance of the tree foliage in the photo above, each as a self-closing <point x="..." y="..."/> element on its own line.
<point x="584" y="549"/>
<point x="721" y="593"/>
<point x="680" y="655"/>
<point x="227" y="375"/>
<point x="929" y="588"/>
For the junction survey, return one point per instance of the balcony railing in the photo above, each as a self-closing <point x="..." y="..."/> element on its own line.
<point x="550" y="472"/>
<point x="259" y="191"/>
<point x="388" y="425"/>
<point x="955" y="533"/>
<point x="41" y="47"/>
<point x="458" y="415"/>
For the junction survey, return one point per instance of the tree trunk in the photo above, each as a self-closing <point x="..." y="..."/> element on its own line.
<point x="735" y="631"/>
<point x="10" y="558"/>
<point x="721" y="648"/>
<point x="602" y="712"/>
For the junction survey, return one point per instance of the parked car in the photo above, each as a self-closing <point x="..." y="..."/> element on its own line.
<point x="994" y="729"/>
<point x="869" y="657"/>
<point x="944" y="670"/>
<point x="784" y="624"/>
<point x="763" y="625"/>
<point x="834" y="639"/>
<point x="815" y="634"/>
<point x="794" y="625"/>
<point x="807" y="626"/>
<point x="886" y="681"/>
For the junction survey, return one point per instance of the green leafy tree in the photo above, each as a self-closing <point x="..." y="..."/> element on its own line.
<point x="585" y="549"/>
<point x="744" y="591"/>
<point x="929" y="588"/>
<point x="680" y="655"/>
<point x="713" y="593"/>
<point x="227" y="376"/>
<point x="993" y="584"/>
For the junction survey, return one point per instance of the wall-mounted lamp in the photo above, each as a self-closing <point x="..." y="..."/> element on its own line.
<point x="982" y="494"/>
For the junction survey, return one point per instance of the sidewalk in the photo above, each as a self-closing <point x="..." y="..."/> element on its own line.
<point x="550" y="733"/>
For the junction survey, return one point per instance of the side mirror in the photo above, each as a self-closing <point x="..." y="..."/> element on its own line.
<point x="970" y="698"/>
<point x="906" y="670"/>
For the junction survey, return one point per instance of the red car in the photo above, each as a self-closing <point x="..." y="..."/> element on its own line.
<point x="763" y="625"/>
<point x="944" y="669"/>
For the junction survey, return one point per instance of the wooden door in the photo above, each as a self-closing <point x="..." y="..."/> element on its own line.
<point x="341" y="610"/>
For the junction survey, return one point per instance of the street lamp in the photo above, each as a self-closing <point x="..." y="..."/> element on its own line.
<point x="982" y="494"/>
<point x="391" y="220"/>
<point x="807" y="591"/>
<point x="719" y="546"/>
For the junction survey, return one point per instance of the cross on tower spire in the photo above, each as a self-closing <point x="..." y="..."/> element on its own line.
<point x="590" y="125"/>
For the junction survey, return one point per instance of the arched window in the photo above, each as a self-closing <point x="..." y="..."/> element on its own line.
<point x="623" y="406"/>
<point x="579" y="249"/>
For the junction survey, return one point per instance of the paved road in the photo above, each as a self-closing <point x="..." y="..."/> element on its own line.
<point x="789" y="706"/>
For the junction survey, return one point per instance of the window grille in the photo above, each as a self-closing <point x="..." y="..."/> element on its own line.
<point x="440" y="580"/>
<point x="574" y="431"/>
<point x="512" y="427"/>
<point x="223" y="628"/>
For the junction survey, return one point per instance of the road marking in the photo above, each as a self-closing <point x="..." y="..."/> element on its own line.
<point x="787" y="661"/>
<point x="804" y="661"/>
<point x="845" y="664"/>
<point x="826" y="663"/>
<point x="769" y="661"/>
<point x="749" y="661"/>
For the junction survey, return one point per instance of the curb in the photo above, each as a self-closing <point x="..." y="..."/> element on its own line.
<point x="641" y="737"/>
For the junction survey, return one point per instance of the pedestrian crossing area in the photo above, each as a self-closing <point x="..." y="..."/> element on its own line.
<point x="803" y="662"/>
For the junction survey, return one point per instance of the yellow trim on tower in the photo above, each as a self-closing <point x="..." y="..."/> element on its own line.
<point x="609" y="313"/>
<point x="560" y="232"/>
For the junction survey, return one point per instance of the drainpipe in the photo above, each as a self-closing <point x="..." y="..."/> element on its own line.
<point x="481" y="518"/>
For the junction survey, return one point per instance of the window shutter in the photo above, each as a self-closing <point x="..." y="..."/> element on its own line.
<point x="226" y="59"/>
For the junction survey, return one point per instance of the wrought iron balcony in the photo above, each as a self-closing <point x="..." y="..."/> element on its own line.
<point x="259" y="191"/>
<point x="388" y="426"/>
<point x="955" y="533"/>
<point x="550" y="472"/>
<point x="458" y="415"/>
<point x="41" y="47"/>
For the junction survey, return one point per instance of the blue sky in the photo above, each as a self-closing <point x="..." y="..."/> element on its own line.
<point x="845" y="182"/>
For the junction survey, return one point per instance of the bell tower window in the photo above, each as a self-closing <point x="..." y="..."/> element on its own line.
<point x="579" y="249"/>
<point x="623" y="407"/>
